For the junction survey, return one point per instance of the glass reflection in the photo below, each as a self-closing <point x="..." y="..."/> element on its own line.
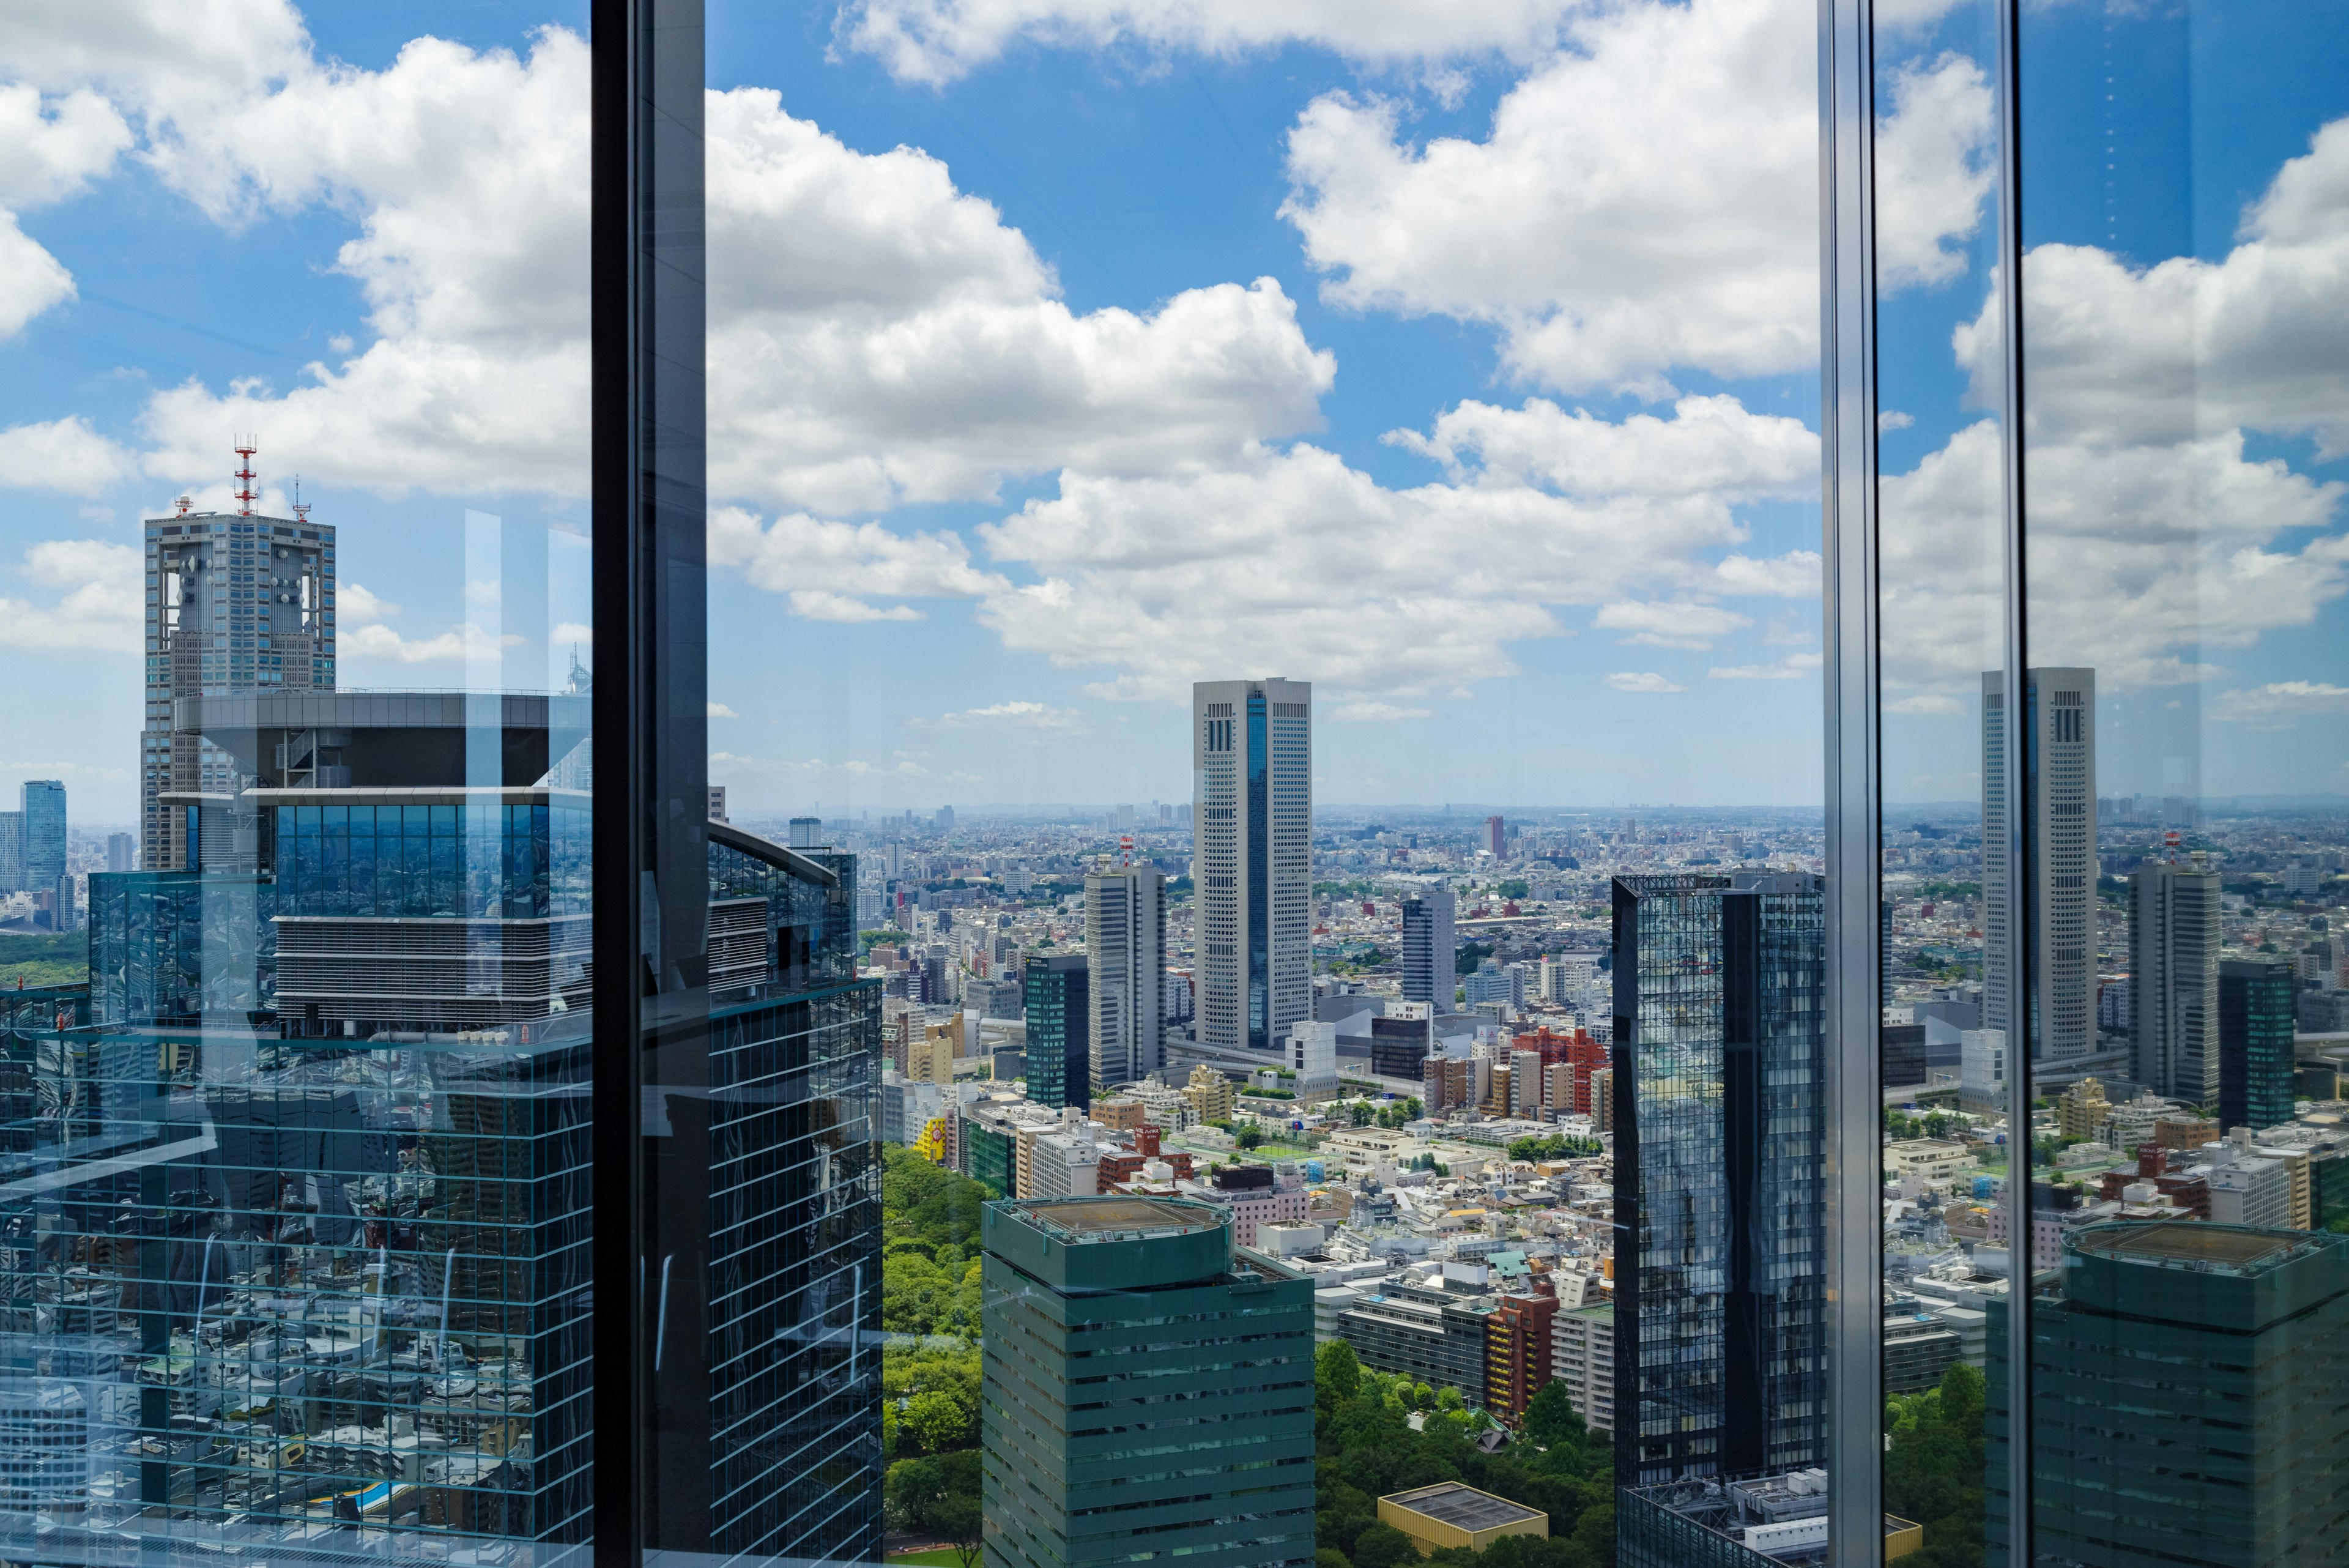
<point x="2185" y="175"/>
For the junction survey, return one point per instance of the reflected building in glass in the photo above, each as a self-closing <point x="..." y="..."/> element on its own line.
<point x="2058" y="728"/>
<point x="1720" y="1336"/>
<point x="296" y="1216"/>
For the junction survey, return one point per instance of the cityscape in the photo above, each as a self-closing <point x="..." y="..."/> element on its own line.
<point x="1174" y="783"/>
<point x="1509" y="1121"/>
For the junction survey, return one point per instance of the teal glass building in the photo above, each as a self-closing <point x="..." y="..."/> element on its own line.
<point x="1148" y="1387"/>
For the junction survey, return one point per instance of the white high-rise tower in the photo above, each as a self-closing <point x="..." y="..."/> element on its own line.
<point x="1252" y="765"/>
<point x="1125" y="955"/>
<point x="235" y="602"/>
<point x="2059" y="836"/>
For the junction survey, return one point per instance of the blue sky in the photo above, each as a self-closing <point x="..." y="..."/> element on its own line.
<point x="1462" y="363"/>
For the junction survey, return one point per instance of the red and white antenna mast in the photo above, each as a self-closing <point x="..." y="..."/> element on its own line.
<point x="249" y="445"/>
<point x="1125" y="850"/>
<point x="2170" y="839"/>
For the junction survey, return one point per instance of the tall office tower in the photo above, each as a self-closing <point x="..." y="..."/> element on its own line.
<point x="1147" y="1384"/>
<point x="1496" y="842"/>
<point x="43" y="815"/>
<point x="2244" y="1428"/>
<point x="2059" y="838"/>
<point x="1718" y="1051"/>
<point x="1430" y="963"/>
<point x="121" y="851"/>
<point x="2255" y="1054"/>
<point x="1252" y="754"/>
<point x="1060" y="1031"/>
<point x="2174" y="980"/>
<point x="11" y="851"/>
<point x="235" y="602"/>
<point x="1125" y="957"/>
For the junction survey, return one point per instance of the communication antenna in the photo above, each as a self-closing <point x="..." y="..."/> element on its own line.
<point x="301" y="507"/>
<point x="1125" y="850"/>
<point x="247" y="446"/>
<point x="184" y="503"/>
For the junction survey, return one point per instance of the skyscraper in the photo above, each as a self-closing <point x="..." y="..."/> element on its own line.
<point x="1252" y="754"/>
<point x="2059" y="846"/>
<point x="2174" y="980"/>
<point x="2255" y="1054"/>
<point x="235" y="602"/>
<point x="121" y="850"/>
<point x="1720" y="1362"/>
<point x="2195" y="1363"/>
<point x="43" y="815"/>
<point x="1125" y="955"/>
<point x="1148" y="1385"/>
<point x="1430" y="966"/>
<point x="1060" y="1031"/>
<point x="1496" y="841"/>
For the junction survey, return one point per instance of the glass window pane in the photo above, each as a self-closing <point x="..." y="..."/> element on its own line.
<point x="2184" y="172"/>
<point x="294" y="313"/>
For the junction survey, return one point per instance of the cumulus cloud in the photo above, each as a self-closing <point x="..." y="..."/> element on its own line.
<point x="94" y="604"/>
<point x="1680" y="624"/>
<point x="365" y="631"/>
<point x="1646" y="200"/>
<point x="1371" y="712"/>
<point x="1036" y="717"/>
<point x="936" y="41"/>
<point x="1711" y="445"/>
<point x="64" y="454"/>
<point x="1293" y="560"/>
<point x="1933" y="169"/>
<point x="1642" y="680"/>
<point x="720" y="710"/>
<point x="878" y="337"/>
<point x="832" y="571"/>
<point x="2156" y="536"/>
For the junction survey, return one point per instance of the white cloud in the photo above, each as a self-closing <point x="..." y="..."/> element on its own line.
<point x="2258" y="339"/>
<point x="61" y="454"/>
<point x="816" y="772"/>
<point x="1646" y="200"/>
<point x="720" y="710"/>
<point x="571" y="633"/>
<point x="936" y="41"/>
<point x="1642" y="680"/>
<point x="1927" y="703"/>
<point x="1680" y="624"/>
<point x="1894" y="420"/>
<point x="831" y="570"/>
<point x="1933" y="169"/>
<point x="2279" y="704"/>
<point x="877" y="337"/>
<point x="358" y="607"/>
<point x="31" y="279"/>
<point x="1793" y="667"/>
<point x="468" y="643"/>
<point x="1711" y="445"/>
<point x="1371" y="712"/>
<point x="1038" y="717"/>
<point x="98" y="605"/>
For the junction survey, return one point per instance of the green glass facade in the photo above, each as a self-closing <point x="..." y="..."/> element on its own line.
<point x="2255" y="1026"/>
<point x="2186" y="1399"/>
<point x="1148" y="1389"/>
<point x="1058" y="993"/>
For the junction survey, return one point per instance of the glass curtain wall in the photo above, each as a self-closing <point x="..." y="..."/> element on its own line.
<point x="295" y="1176"/>
<point x="2100" y="443"/>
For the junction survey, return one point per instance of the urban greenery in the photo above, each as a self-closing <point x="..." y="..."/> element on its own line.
<point x="1365" y="1449"/>
<point x="30" y="960"/>
<point x="1471" y="955"/>
<point x="938" y="1497"/>
<point x="1933" y="1470"/>
<point x="1554" y="1146"/>
<point x="1900" y="1126"/>
<point x="930" y="1386"/>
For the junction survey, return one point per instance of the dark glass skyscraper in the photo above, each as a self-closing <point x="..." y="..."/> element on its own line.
<point x="1060" y="1031"/>
<point x="1720" y="1350"/>
<point x="2255" y="1054"/>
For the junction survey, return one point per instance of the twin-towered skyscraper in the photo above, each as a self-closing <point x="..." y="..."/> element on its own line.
<point x="1252" y="764"/>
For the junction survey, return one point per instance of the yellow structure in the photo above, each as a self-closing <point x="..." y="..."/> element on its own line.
<point x="1450" y="1514"/>
<point x="2081" y="1111"/>
<point x="932" y="1145"/>
<point x="1210" y="1094"/>
<point x="1902" y="1537"/>
<point x="931" y="1055"/>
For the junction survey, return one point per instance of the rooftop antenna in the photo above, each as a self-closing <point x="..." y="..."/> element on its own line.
<point x="247" y="446"/>
<point x="184" y="503"/>
<point x="1125" y="850"/>
<point x="2171" y="838"/>
<point x="301" y="507"/>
